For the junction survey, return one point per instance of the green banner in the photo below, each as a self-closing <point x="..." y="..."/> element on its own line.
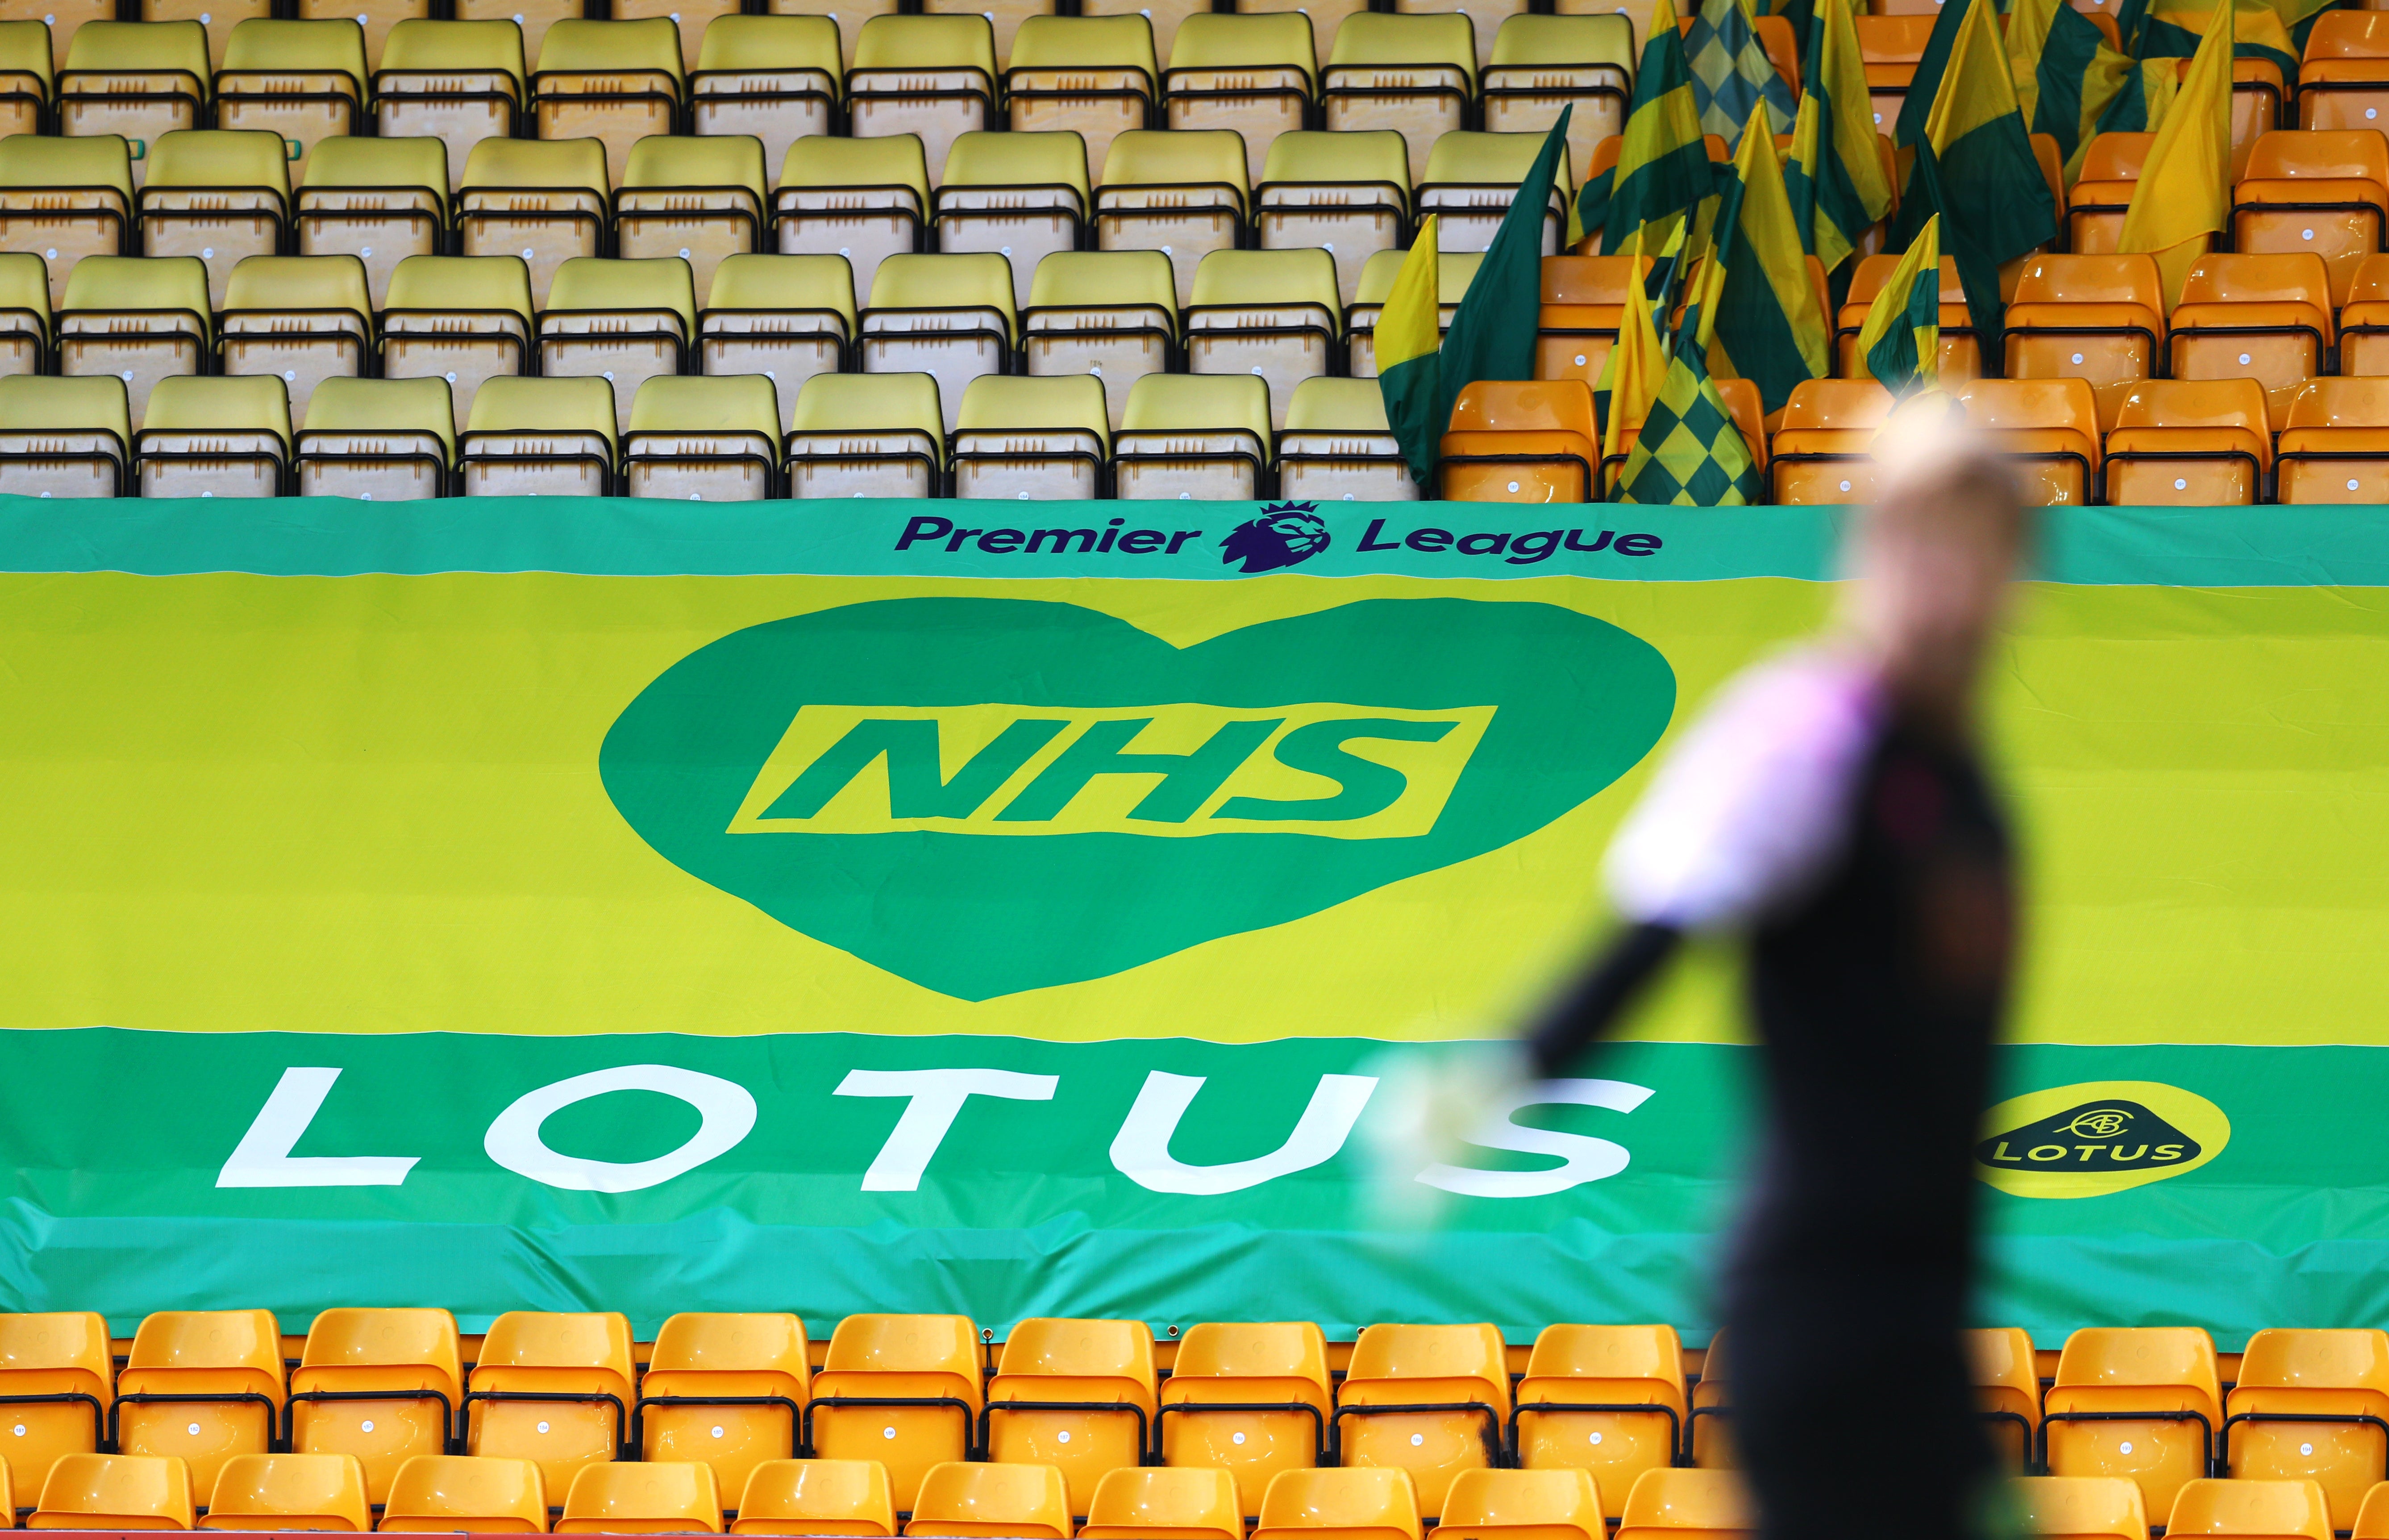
<point x="644" y="906"/>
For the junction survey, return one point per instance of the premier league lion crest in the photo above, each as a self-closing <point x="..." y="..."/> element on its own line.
<point x="1285" y="533"/>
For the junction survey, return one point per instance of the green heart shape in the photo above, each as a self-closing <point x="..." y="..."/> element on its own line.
<point x="1576" y="703"/>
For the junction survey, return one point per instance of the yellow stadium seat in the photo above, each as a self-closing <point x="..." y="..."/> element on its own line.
<point x="698" y="199"/>
<point x="1092" y="75"/>
<point x="545" y="200"/>
<point x="1687" y="1505"/>
<point x="1195" y="436"/>
<point x="457" y="81"/>
<point x="2252" y="1510"/>
<point x="784" y="318"/>
<point x="1961" y="352"/>
<point x="1030" y="1502"/>
<point x="2299" y="1408"/>
<point x="1561" y="1503"/>
<point x="1453" y="273"/>
<point x="1183" y="193"/>
<point x="1539" y="64"/>
<point x="2097" y="202"/>
<point x="614" y="82"/>
<point x="877" y="435"/>
<point x="385" y="440"/>
<point x="902" y="1389"/>
<point x="382" y="1385"/>
<point x="776" y="77"/>
<point x="1583" y="304"/>
<point x="378" y="200"/>
<point x="461" y="319"/>
<point x="2266" y="318"/>
<point x="1020" y="196"/>
<point x="2050" y="427"/>
<point x="208" y="437"/>
<point x="57" y="438"/>
<point x="2165" y="1376"/>
<point x="931" y="76"/>
<point x="142" y="80"/>
<point x="27" y="71"/>
<point x="817" y="1497"/>
<point x="1710" y="1433"/>
<point x="2097" y="318"/>
<point x="2007" y="1380"/>
<point x="863" y="199"/>
<point x="1347" y="193"/>
<point x="1366" y="1504"/>
<point x="64" y="199"/>
<point x="1255" y="75"/>
<point x="642" y="1498"/>
<point x="305" y="81"/>
<point x="1413" y="74"/>
<point x="2079" y="1508"/>
<point x="623" y="320"/>
<point x="1274" y="314"/>
<point x="551" y="1386"/>
<point x="1112" y="314"/>
<point x="307" y="319"/>
<point x="1509" y="441"/>
<point x="2343" y="80"/>
<point x="486" y="1495"/>
<point x="219" y="195"/>
<point x="1191" y="1504"/>
<point x="1041" y="440"/>
<point x="1336" y="447"/>
<point x="1253" y="1398"/>
<point x="116" y="1492"/>
<point x="949" y="315"/>
<point x="2319" y="191"/>
<point x="1473" y="178"/>
<point x="1396" y="1367"/>
<point x="729" y="1389"/>
<point x="542" y="438"/>
<point x="290" y="1492"/>
<point x="24" y="314"/>
<point x="1608" y="1366"/>
<point x="848" y="14"/>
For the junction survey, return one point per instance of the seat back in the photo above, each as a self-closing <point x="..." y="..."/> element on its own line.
<point x="1030" y="1501"/>
<point x="779" y="78"/>
<point x="1348" y="1504"/>
<point x="1556" y="1503"/>
<point x="817" y="1497"/>
<point x="2348" y="34"/>
<point x="2225" y="278"/>
<point x="549" y="1353"/>
<point x="2063" y="278"/>
<point x="354" y="1350"/>
<point x="129" y="1492"/>
<point x="304" y="80"/>
<point x="1194" y="1504"/>
<point x="433" y="1493"/>
<point x="547" y="197"/>
<point x="2372" y="1519"/>
<point x="389" y="440"/>
<point x="1215" y="1357"/>
<point x="2288" y="154"/>
<point x="884" y="435"/>
<point x="290" y="1492"/>
<point x="66" y="438"/>
<point x="698" y="1353"/>
<point x="2168" y="1371"/>
<point x="2079" y="1508"/>
<point x="1680" y="1502"/>
<point x="2270" y="1509"/>
<point x="1835" y="405"/>
<point x="642" y="1498"/>
<point x="206" y="1351"/>
<point x="64" y="1352"/>
<point x="539" y="1349"/>
<point x="1520" y="406"/>
<point x="2332" y="403"/>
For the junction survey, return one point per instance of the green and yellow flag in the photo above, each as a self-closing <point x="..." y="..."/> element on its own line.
<point x="1663" y="166"/>
<point x="1409" y="360"/>
<point x="1925" y="84"/>
<point x="2067" y="79"/>
<point x="1732" y="73"/>
<point x="1770" y="325"/>
<point x="1492" y="334"/>
<point x="1834" y="178"/>
<point x="1630" y="375"/>
<point x="1902" y="339"/>
<point x="2184" y="194"/>
<point x="2174" y="28"/>
<point x="1690" y="451"/>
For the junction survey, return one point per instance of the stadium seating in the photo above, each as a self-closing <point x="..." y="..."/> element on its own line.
<point x="1686" y="1504"/>
<point x="306" y="319"/>
<point x="2343" y="80"/>
<point x="1349" y="194"/>
<point x="2140" y="1402"/>
<point x="290" y="1492"/>
<point x="1183" y="193"/>
<point x="304" y="81"/>
<point x="62" y="437"/>
<point x="1396" y="1367"/>
<point x="817" y="1497"/>
<point x="698" y="199"/>
<point x="931" y="76"/>
<point x="1052" y="1370"/>
<point x="2334" y="444"/>
<point x="1235" y="1394"/>
<point x="614" y="82"/>
<point x="1094" y="76"/>
<point x="1823" y="454"/>
<point x="2080" y="1508"/>
<point x="1708" y="1428"/>
<point x="436" y="1493"/>
<point x="1021" y="1502"/>
<point x="24" y="313"/>
<point x="116" y="1492"/>
<point x="2097" y="318"/>
<point x="2256" y="1510"/>
<point x="457" y="81"/>
<point x="2191" y="444"/>
<point x="729" y="1389"/>
<point x="863" y="199"/>
<point x="1019" y="196"/>
<point x="59" y="1354"/>
<point x="1573" y="1406"/>
<point x="1453" y="273"/>
<point x="647" y="1497"/>
<point x="2299" y="1407"/>
<point x="1113" y="314"/>
<point x="693" y="18"/>
<point x="1539" y="64"/>
<point x="1257" y="76"/>
<point x="1189" y="437"/>
<point x="382" y="1385"/>
<point x="461" y="319"/>
<point x="543" y="438"/>
<point x="879" y="436"/>
<point x="545" y="200"/>
<point x="1336" y="447"/>
<point x="1196" y="1504"/>
<point x="1413" y="74"/>
<point x="64" y="199"/>
<point x="2372" y="1519"/>
<point x="27" y="71"/>
<point x="1961" y="353"/>
<point x="142" y="80"/>
<point x="1521" y="441"/>
<point x="714" y="440"/>
<point x="1891" y="47"/>
<point x="219" y="195"/>
<point x="2266" y="318"/>
<point x="784" y="318"/>
<point x="2007" y="1380"/>
<point x="1561" y="1503"/>
<point x="2324" y="191"/>
<point x="1471" y="180"/>
<point x="2096" y="204"/>
<point x="2049" y="428"/>
<point x="1271" y="314"/>
<point x="551" y="1387"/>
<point x="378" y="200"/>
<point x="948" y="315"/>
<point x="622" y="320"/>
<point x="212" y="437"/>
<point x="1379" y="1504"/>
<point x="776" y="78"/>
<point x="387" y="440"/>
<point x="902" y="1389"/>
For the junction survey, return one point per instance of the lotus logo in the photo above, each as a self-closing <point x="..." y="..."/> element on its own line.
<point x="1283" y="534"/>
<point x="2099" y="1123"/>
<point x="2101" y="1137"/>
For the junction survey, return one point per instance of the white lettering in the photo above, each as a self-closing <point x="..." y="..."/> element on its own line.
<point x="936" y="1098"/>
<point x="1141" y="1150"/>
<point x="1584" y="1159"/>
<point x="727" y="1111"/>
<point x="263" y="1158"/>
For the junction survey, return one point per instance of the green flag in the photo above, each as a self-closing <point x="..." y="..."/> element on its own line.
<point x="1492" y="334"/>
<point x="1663" y="166"/>
<point x="1925" y="84"/>
<point x="1771" y="326"/>
<point x="2173" y="29"/>
<point x="1689" y="451"/>
<point x="1732" y="73"/>
<point x="1834" y="177"/>
<point x="1902" y="339"/>
<point x="1407" y="365"/>
<point x="2065" y="75"/>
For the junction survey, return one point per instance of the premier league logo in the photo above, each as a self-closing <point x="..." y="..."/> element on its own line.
<point x="1285" y="533"/>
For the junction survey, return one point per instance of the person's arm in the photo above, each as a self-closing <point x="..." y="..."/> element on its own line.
<point x="1588" y="1011"/>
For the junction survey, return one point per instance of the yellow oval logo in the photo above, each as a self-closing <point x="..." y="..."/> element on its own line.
<point x="2098" y="1136"/>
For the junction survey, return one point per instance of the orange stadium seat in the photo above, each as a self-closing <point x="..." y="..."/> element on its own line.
<point x="1191" y="1504"/>
<point x="2137" y="1401"/>
<point x="931" y="76"/>
<point x="2080" y="1508"/>
<point x="1257" y="76"/>
<point x="1824" y="454"/>
<point x="729" y="1389"/>
<point x="2050" y="427"/>
<point x="228" y="1363"/>
<point x="457" y="81"/>
<point x="435" y="1492"/>
<point x="2097" y="318"/>
<point x="2310" y="1405"/>
<point x="1584" y="303"/>
<point x="1017" y="1502"/>
<point x="2266" y="318"/>
<point x="549" y="1386"/>
<point x="1607" y="1398"/>
<point x="2252" y="1510"/>
<point x="382" y="1385"/>
<point x="1710" y="1429"/>
<point x="116" y="1492"/>
<point x="2323" y="192"/>
<point x="614" y="82"/>
<point x="1237" y="1395"/>
<point x="1558" y="1504"/>
<point x="2365" y="321"/>
<point x="1891" y="48"/>
<point x="2334" y="445"/>
<point x="1395" y="1368"/>
<point x="817" y="1497"/>
<point x="1515" y="441"/>
<point x="2007" y="1383"/>
<point x="1363" y="1504"/>
<point x="903" y="1390"/>
<point x="1687" y="1505"/>
<point x="2344" y="81"/>
<point x="2372" y="1518"/>
<point x="642" y="1498"/>
<point x="57" y="1377"/>
<point x="778" y="78"/>
<point x="1094" y="76"/>
<point x="1052" y="1371"/>
<point x="1961" y="351"/>
<point x="2100" y="197"/>
<point x="290" y="1492"/>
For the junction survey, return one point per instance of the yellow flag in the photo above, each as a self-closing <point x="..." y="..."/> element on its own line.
<point x="1637" y="363"/>
<point x="2184" y="194"/>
